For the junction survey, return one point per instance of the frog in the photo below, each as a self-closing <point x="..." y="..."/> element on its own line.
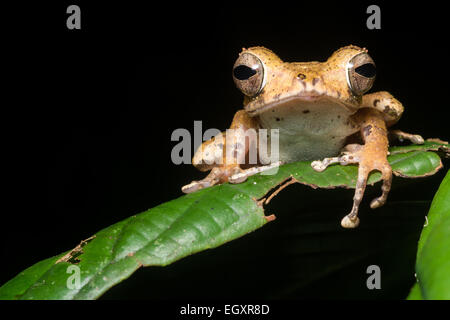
<point x="322" y="112"/>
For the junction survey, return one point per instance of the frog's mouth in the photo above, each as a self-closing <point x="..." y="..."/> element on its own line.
<point x="301" y="102"/>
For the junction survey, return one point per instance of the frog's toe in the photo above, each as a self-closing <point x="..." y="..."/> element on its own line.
<point x="196" y="185"/>
<point x="321" y="165"/>
<point x="377" y="202"/>
<point x="191" y="187"/>
<point x="385" y="188"/>
<point x="214" y="177"/>
<point x="244" y="174"/>
<point x="344" y="159"/>
<point x="414" y="138"/>
<point x="417" y="139"/>
<point x="238" y="177"/>
<point x="349" y="222"/>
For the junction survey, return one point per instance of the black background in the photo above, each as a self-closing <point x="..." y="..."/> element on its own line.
<point x="87" y="133"/>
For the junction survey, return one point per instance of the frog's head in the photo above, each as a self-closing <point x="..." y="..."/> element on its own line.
<point x="267" y="82"/>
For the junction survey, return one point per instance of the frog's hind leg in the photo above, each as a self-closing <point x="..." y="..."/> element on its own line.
<point x="370" y="156"/>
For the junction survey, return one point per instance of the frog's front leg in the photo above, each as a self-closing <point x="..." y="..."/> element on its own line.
<point x="370" y="156"/>
<point x="392" y="110"/>
<point x="225" y="162"/>
<point x="244" y="174"/>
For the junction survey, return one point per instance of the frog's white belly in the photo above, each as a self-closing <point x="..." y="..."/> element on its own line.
<point x="307" y="131"/>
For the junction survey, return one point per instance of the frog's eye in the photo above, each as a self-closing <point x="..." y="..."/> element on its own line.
<point x="248" y="74"/>
<point x="361" y="73"/>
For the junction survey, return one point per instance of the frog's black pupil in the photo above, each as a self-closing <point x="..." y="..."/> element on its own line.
<point x="242" y="72"/>
<point x="367" y="70"/>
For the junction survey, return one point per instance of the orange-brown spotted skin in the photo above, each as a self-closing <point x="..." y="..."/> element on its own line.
<point x="316" y="107"/>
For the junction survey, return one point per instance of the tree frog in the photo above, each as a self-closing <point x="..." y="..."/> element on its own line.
<point x="322" y="114"/>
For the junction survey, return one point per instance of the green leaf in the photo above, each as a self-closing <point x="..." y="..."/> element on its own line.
<point x="415" y="293"/>
<point x="433" y="253"/>
<point x="178" y="228"/>
<point x="428" y="145"/>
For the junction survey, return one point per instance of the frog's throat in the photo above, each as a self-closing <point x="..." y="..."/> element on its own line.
<point x="309" y="100"/>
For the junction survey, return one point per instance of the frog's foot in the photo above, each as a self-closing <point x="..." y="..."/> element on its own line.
<point x="368" y="160"/>
<point x="216" y="176"/>
<point x="244" y="174"/>
<point x="232" y="174"/>
<point x="414" y="138"/>
<point x="345" y="158"/>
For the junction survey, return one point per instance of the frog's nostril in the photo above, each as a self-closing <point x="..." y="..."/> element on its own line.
<point x="301" y="76"/>
<point x="314" y="81"/>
